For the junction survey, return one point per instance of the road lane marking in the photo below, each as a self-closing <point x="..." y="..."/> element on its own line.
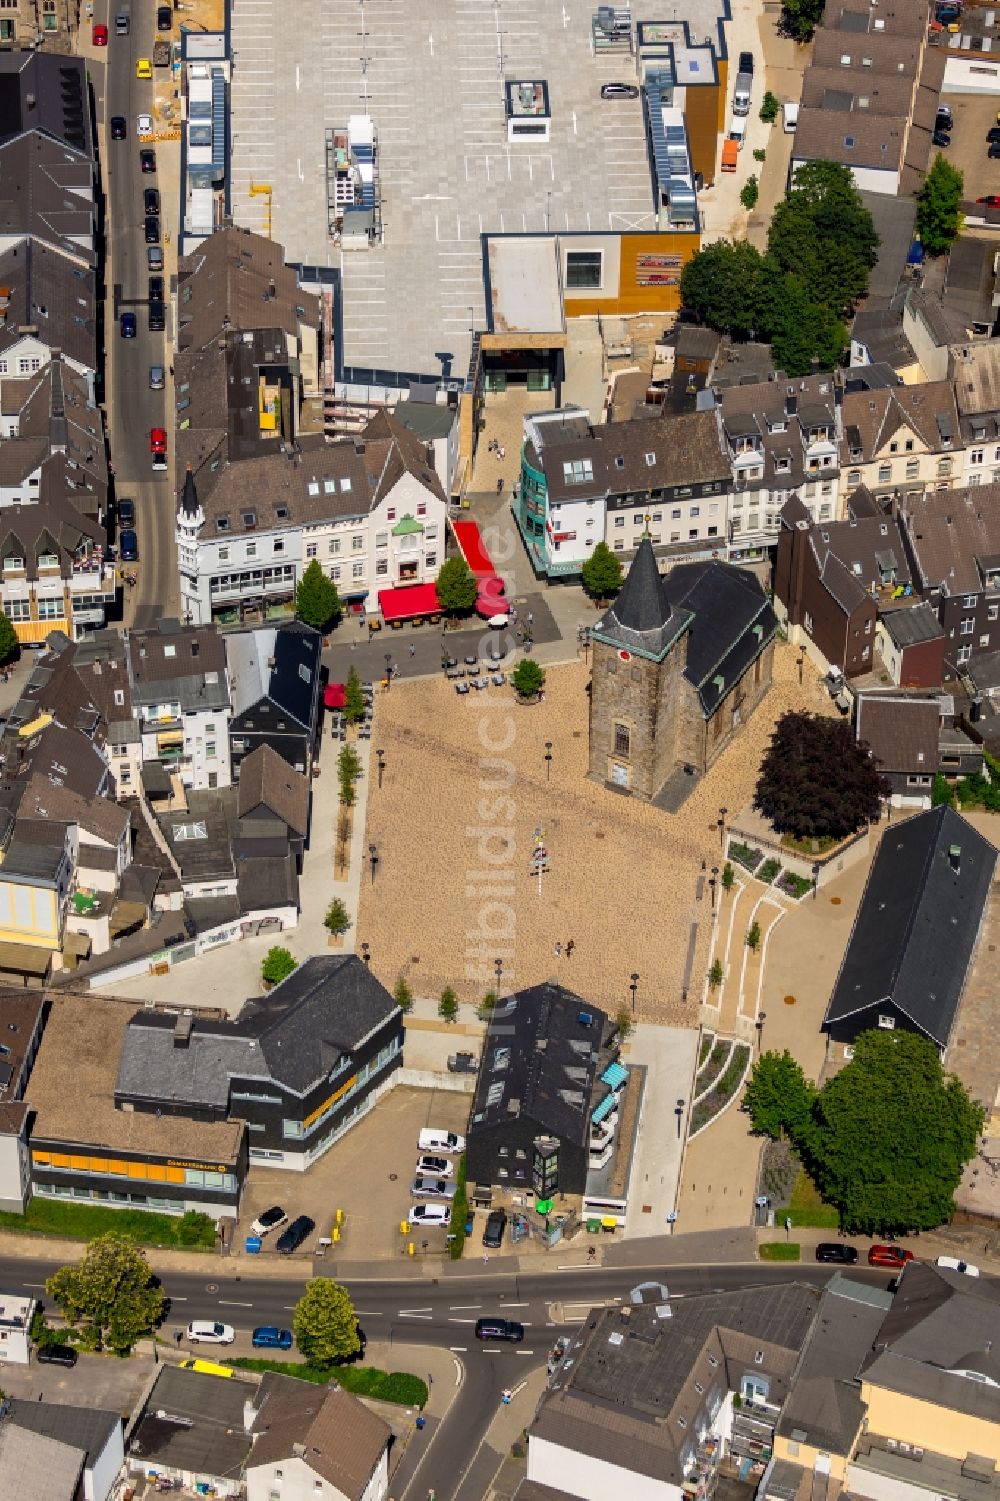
<point x="463" y="1321"/>
<point x="368" y="1313"/>
<point x="428" y="1309"/>
<point x="224" y="1304"/>
<point x="458" y="1307"/>
<point x="426" y="1316"/>
<point x="515" y="1305"/>
<point x="524" y="1352"/>
<point x="458" y="1350"/>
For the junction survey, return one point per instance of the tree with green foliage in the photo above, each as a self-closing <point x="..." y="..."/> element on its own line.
<point x="939" y="207"/>
<point x="448" y="1005"/>
<point x="725" y="285"/>
<point x="354" y="698"/>
<point x="816" y="781"/>
<point x="769" y="107"/>
<point x="822" y="233"/>
<point x="111" y="1293"/>
<point x="196" y="1229"/>
<point x="802" y="330"/>
<point x="456" y="586"/>
<point x="9" y="647"/>
<point x="728" y="876"/>
<point x="800" y="18"/>
<point x="277" y="965"/>
<point x="753" y="936"/>
<point x="942" y="792"/>
<point x="716" y="974"/>
<point x="779" y="1098"/>
<point x="485" y="1008"/>
<point x="348" y="767"/>
<point x="337" y="921"/>
<point x="624" y="1023"/>
<point x="749" y="193"/>
<point x="325" y="1324"/>
<point x="601" y="574"/>
<point x="528" y="678"/>
<point x="891" y="1135"/>
<point x="317" y="602"/>
<point x="403" y="996"/>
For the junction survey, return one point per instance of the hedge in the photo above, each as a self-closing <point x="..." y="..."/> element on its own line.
<point x="364" y="1381"/>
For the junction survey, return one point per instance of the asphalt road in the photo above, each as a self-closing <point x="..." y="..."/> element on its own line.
<point x="442" y="1311"/>
<point x="133" y="409"/>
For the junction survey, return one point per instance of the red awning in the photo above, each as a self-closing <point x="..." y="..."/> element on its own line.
<point x="404" y="604"/>
<point x="470" y="545"/>
<point x="491" y="595"/>
<point x="334" y="696"/>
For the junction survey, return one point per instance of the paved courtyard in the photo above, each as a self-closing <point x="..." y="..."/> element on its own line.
<point x="431" y="76"/>
<point x="453" y="825"/>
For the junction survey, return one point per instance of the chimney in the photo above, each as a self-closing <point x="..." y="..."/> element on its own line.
<point x="791" y="405"/>
<point x="29" y="100"/>
<point x="955" y="858"/>
<point x="183" y="1028"/>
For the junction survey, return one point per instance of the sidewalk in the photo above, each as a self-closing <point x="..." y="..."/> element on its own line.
<point x="507" y="1428"/>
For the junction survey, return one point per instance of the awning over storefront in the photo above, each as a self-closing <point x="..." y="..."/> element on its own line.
<point x="23" y="959"/>
<point x="472" y="548"/>
<point x="490" y="598"/>
<point x="334" y="695"/>
<point x="406" y="604"/>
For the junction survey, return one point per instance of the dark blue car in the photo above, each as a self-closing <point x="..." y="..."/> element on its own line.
<point x="128" y="546"/>
<point x="128" y="325"/>
<point x="270" y="1338"/>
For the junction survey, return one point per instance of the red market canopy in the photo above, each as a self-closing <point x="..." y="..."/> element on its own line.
<point x="470" y="545"/>
<point x="334" y="696"/>
<point x="406" y="604"/>
<point x="491" y="599"/>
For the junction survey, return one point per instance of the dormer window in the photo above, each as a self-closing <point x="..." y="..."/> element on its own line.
<point x="577" y="471"/>
<point x="222" y="523"/>
<point x="650" y="460"/>
<point x="619" y="462"/>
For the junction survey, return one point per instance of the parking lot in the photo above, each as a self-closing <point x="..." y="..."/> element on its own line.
<point x="96" y="1381"/>
<point x="973" y="117"/>
<point x="431" y="76"/>
<point x="367" y="1174"/>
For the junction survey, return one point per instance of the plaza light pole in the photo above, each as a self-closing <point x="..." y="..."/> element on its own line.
<point x="381" y="766"/>
<point x="679" y="1112"/>
<point x="633" y="986"/>
<point x="373" y="859"/>
<point x="713" y="881"/>
<point x="722" y="827"/>
<point x="388" y="672"/>
<point x="548" y="760"/>
<point x="759" y="1024"/>
<point x="366" y="953"/>
<point x="498" y="966"/>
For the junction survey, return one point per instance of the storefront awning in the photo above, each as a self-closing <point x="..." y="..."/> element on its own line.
<point x="405" y="604"/>
<point x="614" y="1076"/>
<point x="23" y="959"/>
<point x="472" y="548"/>
<point x="334" y="695"/>
<point x="604" y="1108"/>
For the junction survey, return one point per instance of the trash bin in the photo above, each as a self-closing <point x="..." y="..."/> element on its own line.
<point x="252" y="1245"/>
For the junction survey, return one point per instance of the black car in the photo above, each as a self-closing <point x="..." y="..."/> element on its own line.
<point x="157" y="316"/>
<point x="151" y="229"/>
<point x="155" y="285"/>
<point x="147" y="160"/>
<point x="495" y="1227"/>
<point x="940" y="139"/>
<point x="746" y="63"/>
<point x="126" y="512"/>
<point x="500" y="1329"/>
<point x="151" y="201"/>
<point x="994" y="152"/>
<point x="836" y="1251"/>
<point x="119" y="127"/>
<point x="290" y="1240"/>
<point x="164" y="17"/>
<point x="993" y="134"/>
<point x="56" y="1355"/>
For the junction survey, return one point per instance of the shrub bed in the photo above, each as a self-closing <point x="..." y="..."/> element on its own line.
<point x="769" y="870"/>
<point x="459" y="1213"/>
<point x="712" y="1068"/>
<point x="88" y="1221"/>
<point x="794" y="885"/>
<point x="364" y="1381"/>
<point x="745" y="856"/>
<point x="715" y="1101"/>
<point x="780" y="1250"/>
<point x="706" y="1047"/>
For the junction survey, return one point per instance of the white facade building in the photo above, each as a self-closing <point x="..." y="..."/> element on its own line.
<point x="16" y="1313"/>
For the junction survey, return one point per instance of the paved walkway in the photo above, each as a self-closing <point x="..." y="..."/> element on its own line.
<point x="669" y="1055"/>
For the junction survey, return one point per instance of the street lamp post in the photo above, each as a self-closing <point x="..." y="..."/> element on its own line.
<point x="381" y="766"/>
<point x="498" y="966"/>
<point x="759" y="1024"/>
<point x="388" y="670"/>
<point x="633" y="986"/>
<point x="713" y="882"/>
<point x="802" y="658"/>
<point x="815" y="879"/>
<point x="548" y="760"/>
<point x="722" y="827"/>
<point x="679" y="1112"/>
<point x="373" y="859"/>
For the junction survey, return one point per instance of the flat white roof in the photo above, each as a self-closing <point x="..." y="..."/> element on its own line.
<point x="524" y="281"/>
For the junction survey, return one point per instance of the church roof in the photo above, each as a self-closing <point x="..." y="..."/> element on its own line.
<point x="642" y="618"/>
<point x="189" y="495"/>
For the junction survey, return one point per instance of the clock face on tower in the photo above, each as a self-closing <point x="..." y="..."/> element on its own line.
<point x="624" y="656"/>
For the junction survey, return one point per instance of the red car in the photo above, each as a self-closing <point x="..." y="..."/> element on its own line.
<point x="890" y="1256"/>
<point x="992" y="200"/>
<point x="100" y="37"/>
<point x="157" y="440"/>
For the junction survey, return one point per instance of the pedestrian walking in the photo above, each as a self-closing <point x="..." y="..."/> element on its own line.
<point x="500" y="485"/>
<point x="570" y="946"/>
<point x="413" y="650"/>
<point x="558" y="950"/>
<point x="531" y="618"/>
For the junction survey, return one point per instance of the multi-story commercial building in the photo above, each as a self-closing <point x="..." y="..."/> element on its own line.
<point x="902" y="440"/>
<point x="55" y="572"/>
<point x="52" y="24"/>
<point x="180" y="696"/>
<point x="953" y="538"/>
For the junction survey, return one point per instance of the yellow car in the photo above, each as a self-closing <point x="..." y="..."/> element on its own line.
<point x="207" y="1368"/>
<point x="144" y="68"/>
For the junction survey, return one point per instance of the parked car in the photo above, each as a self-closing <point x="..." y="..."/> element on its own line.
<point x="151" y="230"/>
<point x="119" y="127"/>
<point x="432" y="1188"/>
<point x="619" y="91"/>
<point x="944" y="117"/>
<point x="940" y="139"/>
<point x="992" y="200"/>
<point x="128" y="546"/>
<point x="126" y="512"/>
<point x="432" y="1139"/>
<point x="127" y="325"/>
<point x="746" y="63"/>
<point x="289" y="1240"/>
<point x="143" y="68"/>
<point x="267" y="1337"/>
<point x="157" y="315"/>
<point x="269" y="1220"/>
<point x="100" y="35"/>
<point x="891" y="1256"/>
<point x="496" y="1224"/>
<point x="437" y="1167"/>
<point x="157" y="379"/>
<point x="151" y="201"/>
<point x="993" y="134"/>
<point x="953" y="1264"/>
<point x="144" y="125"/>
<point x="429" y="1214"/>
<point x="208" y="1332"/>
<point x="154" y="287"/>
<point x="154" y="258"/>
<point x="164" y="17"/>
<point x="508" y="1329"/>
<point x="147" y="158"/>
<point x="157" y="440"/>
<point x="993" y="154"/>
<point x="837" y="1251"/>
<point x="56" y="1355"/>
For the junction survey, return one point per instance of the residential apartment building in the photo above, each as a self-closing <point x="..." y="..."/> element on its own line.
<point x="46" y="147"/>
<point x="975" y="371"/>
<point x="21" y="1016"/>
<point x="56" y="575"/>
<point x="47" y="302"/>
<point x="275" y="675"/>
<point x="582" y="484"/>
<point x="52" y="443"/>
<point x="371" y="511"/>
<point x="902" y="440"/>
<point x="180" y="697"/>
<point x="953" y="540"/>
<point x="52" y="24"/>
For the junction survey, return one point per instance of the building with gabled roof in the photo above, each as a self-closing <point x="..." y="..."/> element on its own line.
<point x="679" y="662"/>
<point x="316" y="1438"/>
<point x="915" y="932"/>
<point x="274" y="674"/>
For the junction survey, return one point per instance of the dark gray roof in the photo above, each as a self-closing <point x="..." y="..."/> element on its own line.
<point x="732" y="623"/>
<point x="549" y="1084"/>
<point x="33" y="862"/>
<point x="916" y="928"/>
<point x="85" y="1428"/>
<point x="901" y="732"/>
<point x="201" y="1427"/>
<point x="265" y="883"/>
<point x="642" y="618"/>
<point x="425" y="419"/>
<point x="908" y="626"/>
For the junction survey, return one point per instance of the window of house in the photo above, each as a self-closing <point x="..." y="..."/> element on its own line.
<point x="912" y="468"/>
<point x="976" y="456"/>
<point x="381" y="566"/>
<point x="431" y="559"/>
<point x="251" y="549"/>
<point x="884" y="473"/>
<point x="335" y="573"/>
<point x="584" y="268"/>
<point x="390" y="513"/>
<point x="854" y="477"/>
<point x="968" y="625"/>
<point x="357" y="542"/>
<point x="19" y="609"/>
<point x="974" y="479"/>
<point x="623" y="740"/>
<point x="358" y="571"/>
<point x="619" y="521"/>
<point x="311" y="549"/>
<point x="279" y="544"/>
<point x="334" y="545"/>
<point x="993" y="612"/>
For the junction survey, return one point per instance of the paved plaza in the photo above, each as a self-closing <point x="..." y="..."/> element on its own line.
<point x="431" y="76"/>
<point x="466" y="788"/>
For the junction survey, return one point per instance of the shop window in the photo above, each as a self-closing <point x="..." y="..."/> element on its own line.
<point x="584" y="268"/>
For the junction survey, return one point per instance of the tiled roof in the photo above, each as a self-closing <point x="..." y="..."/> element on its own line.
<point x="901" y="733"/>
<point x="949" y="530"/>
<point x="267" y="780"/>
<point x="332" y="1432"/>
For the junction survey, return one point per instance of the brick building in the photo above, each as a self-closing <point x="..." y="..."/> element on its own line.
<point x="679" y="662"/>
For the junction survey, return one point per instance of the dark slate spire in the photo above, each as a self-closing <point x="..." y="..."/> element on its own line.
<point x="189" y="495"/>
<point x="642" y="603"/>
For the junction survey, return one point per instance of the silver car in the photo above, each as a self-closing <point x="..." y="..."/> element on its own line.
<point x="156" y="378"/>
<point x="432" y="1188"/>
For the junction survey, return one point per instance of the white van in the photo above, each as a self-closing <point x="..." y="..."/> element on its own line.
<point x="432" y="1139"/>
<point x="738" y="132"/>
<point x="790" y="116"/>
